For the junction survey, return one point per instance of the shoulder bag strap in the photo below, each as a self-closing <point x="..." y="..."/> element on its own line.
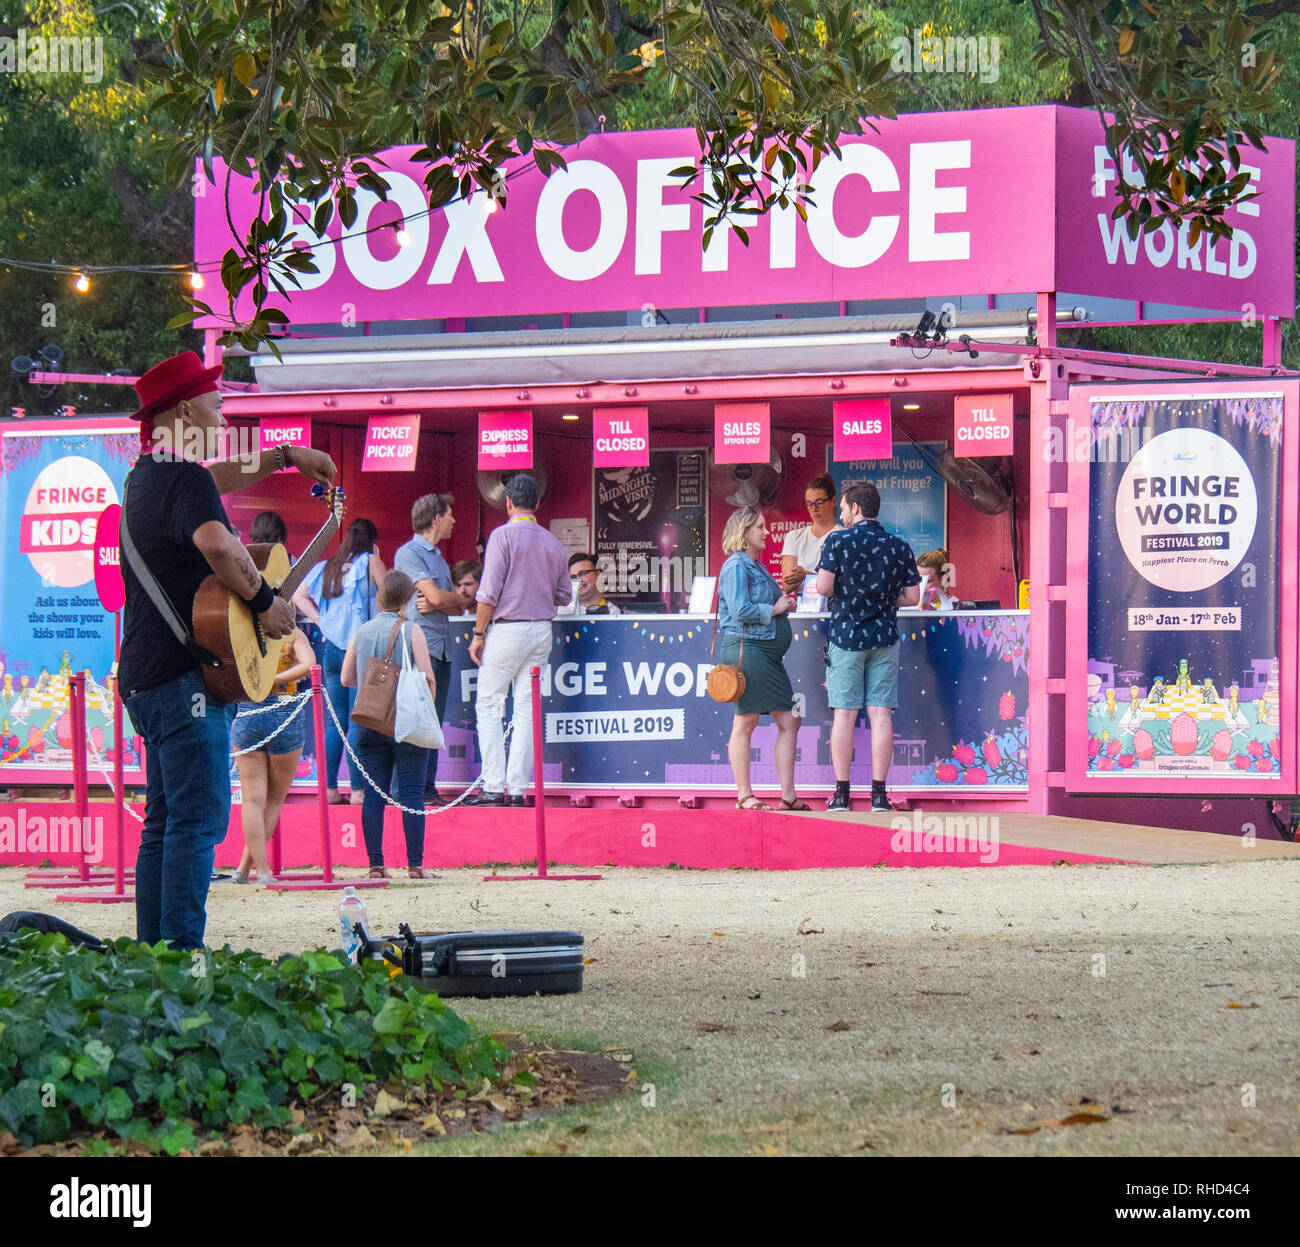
<point x="162" y="604"/>
<point x="717" y="608"/>
<point x="392" y="640"/>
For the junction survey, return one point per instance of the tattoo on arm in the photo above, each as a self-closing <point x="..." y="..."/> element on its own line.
<point x="251" y="575"/>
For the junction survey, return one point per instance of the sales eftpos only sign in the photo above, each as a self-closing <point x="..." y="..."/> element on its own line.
<point x="1188" y="669"/>
<point x="742" y="432"/>
<point x="391" y="444"/>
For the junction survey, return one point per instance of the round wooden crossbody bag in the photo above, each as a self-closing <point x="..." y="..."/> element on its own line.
<point x="725" y="682"/>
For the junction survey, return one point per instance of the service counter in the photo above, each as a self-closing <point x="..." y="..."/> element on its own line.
<point x="626" y="708"/>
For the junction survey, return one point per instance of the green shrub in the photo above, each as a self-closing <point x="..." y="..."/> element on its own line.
<point x="145" y="1042"/>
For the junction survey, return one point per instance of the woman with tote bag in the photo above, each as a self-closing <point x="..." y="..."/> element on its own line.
<point x="380" y="754"/>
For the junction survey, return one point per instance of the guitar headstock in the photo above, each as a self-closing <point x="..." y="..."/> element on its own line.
<point x="335" y="497"/>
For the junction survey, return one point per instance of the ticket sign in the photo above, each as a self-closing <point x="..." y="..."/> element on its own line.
<point x="981" y="425"/>
<point x="285" y="431"/>
<point x="505" y="440"/>
<point x="742" y="432"/>
<point x="620" y="437"/>
<point x="391" y="443"/>
<point x="108" y="560"/>
<point x="863" y="429"/>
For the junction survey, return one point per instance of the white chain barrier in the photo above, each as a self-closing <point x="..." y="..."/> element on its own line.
<point x="388" y="798"/>
<point x="301" y="700"/>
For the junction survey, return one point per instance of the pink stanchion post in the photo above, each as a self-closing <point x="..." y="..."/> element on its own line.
<point x="322" y="880"/>
<point x="539" y="795"/>
<point x="119" y="893"/>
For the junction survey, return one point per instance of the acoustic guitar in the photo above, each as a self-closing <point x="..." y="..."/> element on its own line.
<point x="224" y="625"/>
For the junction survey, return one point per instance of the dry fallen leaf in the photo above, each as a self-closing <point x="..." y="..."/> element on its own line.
<point x="769" y="1150"/>
<point x="841" y="1025"/>
<point x="719" y="933"/>
<point x="704" y="1028"/>
<point x="755" y="995"/>
<point x="1232" y="1004"/>
<point x="1082" y="1119"/>
<point x="809" y="930"/>
<point x="433" y="1125"/>
<point x="1022" y="1130"/>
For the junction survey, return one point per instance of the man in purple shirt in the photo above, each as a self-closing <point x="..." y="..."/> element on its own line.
<point x="525" y="577"/>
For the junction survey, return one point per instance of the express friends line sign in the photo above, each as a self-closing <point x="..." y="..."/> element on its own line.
<point x="931" y="203"/>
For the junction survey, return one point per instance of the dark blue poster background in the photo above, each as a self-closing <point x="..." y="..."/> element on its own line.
<point x="625" y="706"/>
<point x="1182" y="586"/>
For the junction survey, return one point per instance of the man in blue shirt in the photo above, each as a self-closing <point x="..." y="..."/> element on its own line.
<point x="435" y="599"/>
<point x="868" y="574"/>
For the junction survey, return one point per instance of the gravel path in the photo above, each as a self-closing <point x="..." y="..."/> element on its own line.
<point x="931" y="1011"/>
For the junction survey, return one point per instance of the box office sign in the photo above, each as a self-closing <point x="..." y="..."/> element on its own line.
<point x="981" y="425"/>
<point x="505" y="441"/>
<point x="620" y="437"/>
<point x="1183" y="653"/>
<point x="742" y="433"/>
<point x="391" y="443"/>
<point x="284" y="431"/>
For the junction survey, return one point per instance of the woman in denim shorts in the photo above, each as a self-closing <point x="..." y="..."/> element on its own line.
<point x="266" y="773"/>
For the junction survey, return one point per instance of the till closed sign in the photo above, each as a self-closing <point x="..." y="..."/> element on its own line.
<point x="981" y="425"/>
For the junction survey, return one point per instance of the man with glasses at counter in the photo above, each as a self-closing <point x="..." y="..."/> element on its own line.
<point x="591" y="598"/>
<point x="803" y="546"/>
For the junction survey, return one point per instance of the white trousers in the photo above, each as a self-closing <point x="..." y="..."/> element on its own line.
<point x="508" y="652"/>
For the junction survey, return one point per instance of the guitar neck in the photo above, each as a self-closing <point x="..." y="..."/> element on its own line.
<point x="309" y="558"/>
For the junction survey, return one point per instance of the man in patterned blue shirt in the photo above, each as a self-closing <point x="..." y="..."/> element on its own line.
<point x="868" y="574"/>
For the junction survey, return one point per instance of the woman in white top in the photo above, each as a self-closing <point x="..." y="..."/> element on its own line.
<point x="803" y="547"/>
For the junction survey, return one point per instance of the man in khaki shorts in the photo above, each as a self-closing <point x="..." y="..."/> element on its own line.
<point x="868" y="574"/>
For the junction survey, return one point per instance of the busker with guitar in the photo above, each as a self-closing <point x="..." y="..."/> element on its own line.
<point x="175" y="519"/>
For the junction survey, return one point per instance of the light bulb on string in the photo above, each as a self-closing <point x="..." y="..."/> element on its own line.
<point x="82" y="284"/>
<point x="403" y="238"/>
<point x="196" y="280"/>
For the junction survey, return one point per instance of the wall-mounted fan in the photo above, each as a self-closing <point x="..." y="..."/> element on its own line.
<point x="746" y="484"/>
<point x="983" y="490"/>
<point x="492" y="485"/>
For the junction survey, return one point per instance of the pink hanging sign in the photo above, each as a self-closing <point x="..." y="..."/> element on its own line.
<point x="391" y="443"/>
<point x="981" y="425"/>
<point x="108" y="560"/>
<point x="620" y="437"/>
<point x="285" y="431"/>
<point x="742" y="432"/>
<point x="863" y="429"/>
<point x="505" y="440"/>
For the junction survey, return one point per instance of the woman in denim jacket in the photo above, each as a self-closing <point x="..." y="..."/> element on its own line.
<point x="756" y="634"/>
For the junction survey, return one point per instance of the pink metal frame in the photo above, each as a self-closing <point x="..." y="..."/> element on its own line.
<point x="1076" y="604"/>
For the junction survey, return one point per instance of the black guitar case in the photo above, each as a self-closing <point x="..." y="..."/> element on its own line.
<point x="485" y="963"/>
<point x="27" y="920"/>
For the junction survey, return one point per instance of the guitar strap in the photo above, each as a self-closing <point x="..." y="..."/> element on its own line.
<point x="162" y="604"/>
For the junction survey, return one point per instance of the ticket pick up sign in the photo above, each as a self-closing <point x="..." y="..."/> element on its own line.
<point x="284" y="431"/>
<point x="742" y="433"/>
<point x="863" y="430"/>
<point x="981" y="425"/>
<point x="391" y="443"/>
<point x="620" y="437"/>
<point x="505" y="440"/>
<point x="108" y="564"/>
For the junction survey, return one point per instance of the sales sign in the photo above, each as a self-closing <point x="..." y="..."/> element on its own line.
<point x="391" y="443"/>
<point x="108" y="560"/>
<point x="742" y="433"/>
<point x="505" y="440"/>
<point x="981" y="425"/>
<point x="620" y="437"/>
<point x="863" y="429"/>
<point x="285" y="431"/>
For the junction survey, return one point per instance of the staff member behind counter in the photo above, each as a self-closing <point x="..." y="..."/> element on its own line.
<point x="802" y="550"/>
<point x="590" y="598"/>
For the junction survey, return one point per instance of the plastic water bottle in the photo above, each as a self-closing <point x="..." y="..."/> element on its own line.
<point x="352" y="910"/>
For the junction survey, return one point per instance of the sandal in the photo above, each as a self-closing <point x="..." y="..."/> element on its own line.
<point x="378" y="872"/>
<point x="796" y="804"/>
<point x="419" y="872"/>
<point x="751" y="802"/>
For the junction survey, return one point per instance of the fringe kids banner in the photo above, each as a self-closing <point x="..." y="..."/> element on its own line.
<point x="54" y="482"/>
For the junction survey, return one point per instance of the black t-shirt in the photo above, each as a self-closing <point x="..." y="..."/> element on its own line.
<point x="167" y="500"/>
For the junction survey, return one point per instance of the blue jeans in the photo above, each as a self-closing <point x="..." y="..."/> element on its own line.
<point x="382" y="756"/>
<point x="341" y="699"/>
<point x="187" y="807"/>
<point x="441" y="674"/>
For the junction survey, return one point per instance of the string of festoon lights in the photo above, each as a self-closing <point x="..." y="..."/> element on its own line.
<point x="81" y="274"/>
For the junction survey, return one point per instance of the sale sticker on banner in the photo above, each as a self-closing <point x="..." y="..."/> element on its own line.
<point x="742" y="433"/>
<point x="285" y="431"/>
<point x="981" y="425"/>
<point x="391" y="443"/>
<point x="620" y="437"/>
<point x="505" y="440"/>
<point x="108" y="562"/>
<point x="863" y="429"/>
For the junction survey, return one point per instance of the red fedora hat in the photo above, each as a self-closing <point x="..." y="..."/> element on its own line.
<point x="174" y="380"/>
